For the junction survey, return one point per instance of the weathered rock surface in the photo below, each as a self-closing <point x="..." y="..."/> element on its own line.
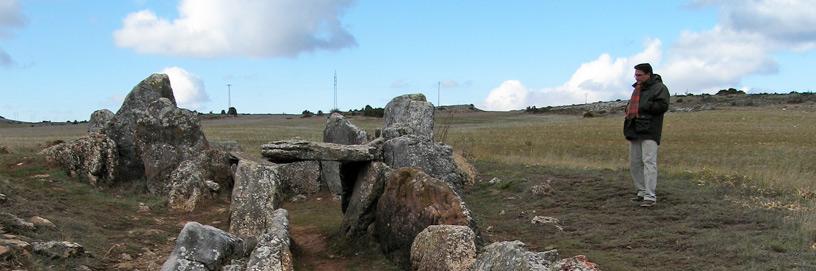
<point x="300" y="150"/>
<point x="330" y="176"/>
<point x="99" y="119"/>
<point x="14" y="224"/>
<point x="442" y="248"/>
<point x="339" y="130"/>
<point x="257" y="193"/>
<point x="187" y="186"/>
<point x="166" y="136"/>
<point x="93" y="157"/>
<point x="201" y="247"/>
<point x="300" y="177"/>
<point x="359" y="208"/>
<point x="412" y="201"/>
<point x="513" y="255"/>
<point x="123" y="125"/>
<point x="57" y="249"/>
<point x="435" y="159"/>
<point x="40" y="222"/>
<point x="577" y="263"/>
<point x="409" y="114"/>
<point x="272" y="252"/>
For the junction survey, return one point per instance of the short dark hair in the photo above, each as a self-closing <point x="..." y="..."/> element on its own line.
<point x="644" y="67"/>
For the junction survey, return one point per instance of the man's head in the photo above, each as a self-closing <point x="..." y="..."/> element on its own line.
<point x="642" y="72"/>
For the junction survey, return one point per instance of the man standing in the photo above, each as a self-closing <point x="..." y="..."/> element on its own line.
<point x="642" y="127"/>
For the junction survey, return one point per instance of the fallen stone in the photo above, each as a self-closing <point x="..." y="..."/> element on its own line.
<point x="273" y="251"/>
<point x="201" y="247"/>
<point x="513" y="255"/>
<point x="442" y="248"/>
<point x="93" y="157"/>
<point x="359" y="207"/>
<point x="58" y="249"/>
<point x="300" y="150"/>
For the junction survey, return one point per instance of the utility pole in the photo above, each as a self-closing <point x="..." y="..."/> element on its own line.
<point x="335" y="91"/>
<point x="229" y="96"/>
<point x="438" y="87"/>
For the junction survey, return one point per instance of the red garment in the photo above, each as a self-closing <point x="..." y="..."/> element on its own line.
<point x="632" y="111"/>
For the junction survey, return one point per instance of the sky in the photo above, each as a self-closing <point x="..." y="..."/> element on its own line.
<point x="63" y="59"/>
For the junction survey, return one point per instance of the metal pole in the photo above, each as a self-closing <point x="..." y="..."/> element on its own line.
<point x="229" y="96"/>
<point x="438" y="86"/>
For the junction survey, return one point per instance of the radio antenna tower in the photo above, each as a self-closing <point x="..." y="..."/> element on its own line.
<point x="438" y="86"/>
<point x="229" y="96"/>
<point x="335" y="91"/>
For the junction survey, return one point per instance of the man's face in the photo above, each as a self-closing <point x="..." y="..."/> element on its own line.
<point x="641" y="76"/>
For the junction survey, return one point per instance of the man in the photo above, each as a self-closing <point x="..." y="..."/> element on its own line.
<point x="642" y="127"/>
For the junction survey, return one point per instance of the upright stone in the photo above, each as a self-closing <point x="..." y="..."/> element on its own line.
<point x="201" y="247"/>
<point x="409" y="114"/>
<point x="338" y="130"/>
<point x="122" y="126"/>
<point x="273" y="252"/>
<point x="99" y="119"/>
<point x="255" y="196"/>
<point x="359" y="208"/>
<point x="433" y="158"/>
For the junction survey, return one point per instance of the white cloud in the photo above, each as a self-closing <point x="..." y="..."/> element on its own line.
<point x="11" y="16"/>
<point x="187" y="88"/>
<point x="212" y="28"/>
<point x="510" y="95"/>
<point x="600" y="79"/>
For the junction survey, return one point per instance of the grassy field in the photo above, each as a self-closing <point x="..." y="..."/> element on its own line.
<point x="736" y="188"/>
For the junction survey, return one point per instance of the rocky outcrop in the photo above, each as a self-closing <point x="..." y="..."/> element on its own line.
<point x="412" y="201"/>
<point x="201" y="247"/>
<point x="14" y="224"/>
<point x="338" y="130"/>
<point x="443" y="248"/>
<point x="513" y="255"/>
<point x="359" y="208"/>
<point x="273" y="251"/>
<point x="256" y="194"/>
<point x="99" y="119"/>
<point x="93" y="157"/>
<point x="409" y="114"/>
<point x="123" y="125"/>
<point x="435" y="159"/>
<point x="299" y="150"/>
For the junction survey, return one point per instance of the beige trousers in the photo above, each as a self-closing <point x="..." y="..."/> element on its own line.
<point x="643" y="166"/>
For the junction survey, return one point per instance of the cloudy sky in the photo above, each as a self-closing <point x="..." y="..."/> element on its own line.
<point x="63" y="59"/>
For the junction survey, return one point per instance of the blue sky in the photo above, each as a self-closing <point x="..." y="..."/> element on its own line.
<point x="63" y="59"/>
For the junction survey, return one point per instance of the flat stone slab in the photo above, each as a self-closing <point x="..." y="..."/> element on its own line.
<point x="285" y="151"/>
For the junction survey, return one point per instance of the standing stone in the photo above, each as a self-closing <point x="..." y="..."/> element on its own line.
<point x="121" y="128"/>
<point x="338" y="130"/>
<point x="443" y="248"/>
<point x="255" y="195"/>
<point x="300" y="177"/>
<point x="411" y="202"/>
<point x="435" y="159"/>
<point x="272" y="252"/>
<point x="513" y="256"/>
<point x="201" y="247"/>
<point x="409" y="114"/>
<point x="362" y="203"/>
<point x="99" y="119"/>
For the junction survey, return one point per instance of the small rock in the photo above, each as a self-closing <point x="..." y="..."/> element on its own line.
<point x="57" y="249"/>
<point x="125" y="257"/>
<point x="3" y="198"/>
<point x="143" y="208"/>
<point x="213" y="186"/>
<point x="495" y="180"/>
<point x="542" y="189"/>
<point x="502" y="212"/>
<point x="298" y="197"/>
<point x="40" y="222"/>
<point x="547" y="220"/>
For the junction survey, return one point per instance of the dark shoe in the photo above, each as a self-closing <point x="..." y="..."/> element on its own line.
<point x="648" y="203"/>
<point x="637" y="199"/>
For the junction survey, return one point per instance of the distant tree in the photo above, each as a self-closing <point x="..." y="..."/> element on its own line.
<point x="730" y="91"/>
<point x="232" y="111"/>
<point x="320" y="113"/>
<point x="307" y="114"/>
<point x="223" y="112"/>
<point x="369" y="111"/>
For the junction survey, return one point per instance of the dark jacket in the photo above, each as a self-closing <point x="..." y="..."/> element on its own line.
<point x="654" y="102"/>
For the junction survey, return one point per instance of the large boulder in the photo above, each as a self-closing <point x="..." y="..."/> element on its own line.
<point x="256" y="194"/>
<point x="411" y="202"/>
<point x="272" y="252"/>
<point x="93" y="157"/>
<point x="338" y="130"/>
<point x="443" y="248"/>
<point x="433" y="158"/>
<point x="360" y="206"/>
<point x="513" y="255"/>
<point x="165" y="137"/>
<point x="409" y="114"/>
<point x="99" y="119"/>
<point x="201" y="247"/>
<point x="123" y="125"/>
